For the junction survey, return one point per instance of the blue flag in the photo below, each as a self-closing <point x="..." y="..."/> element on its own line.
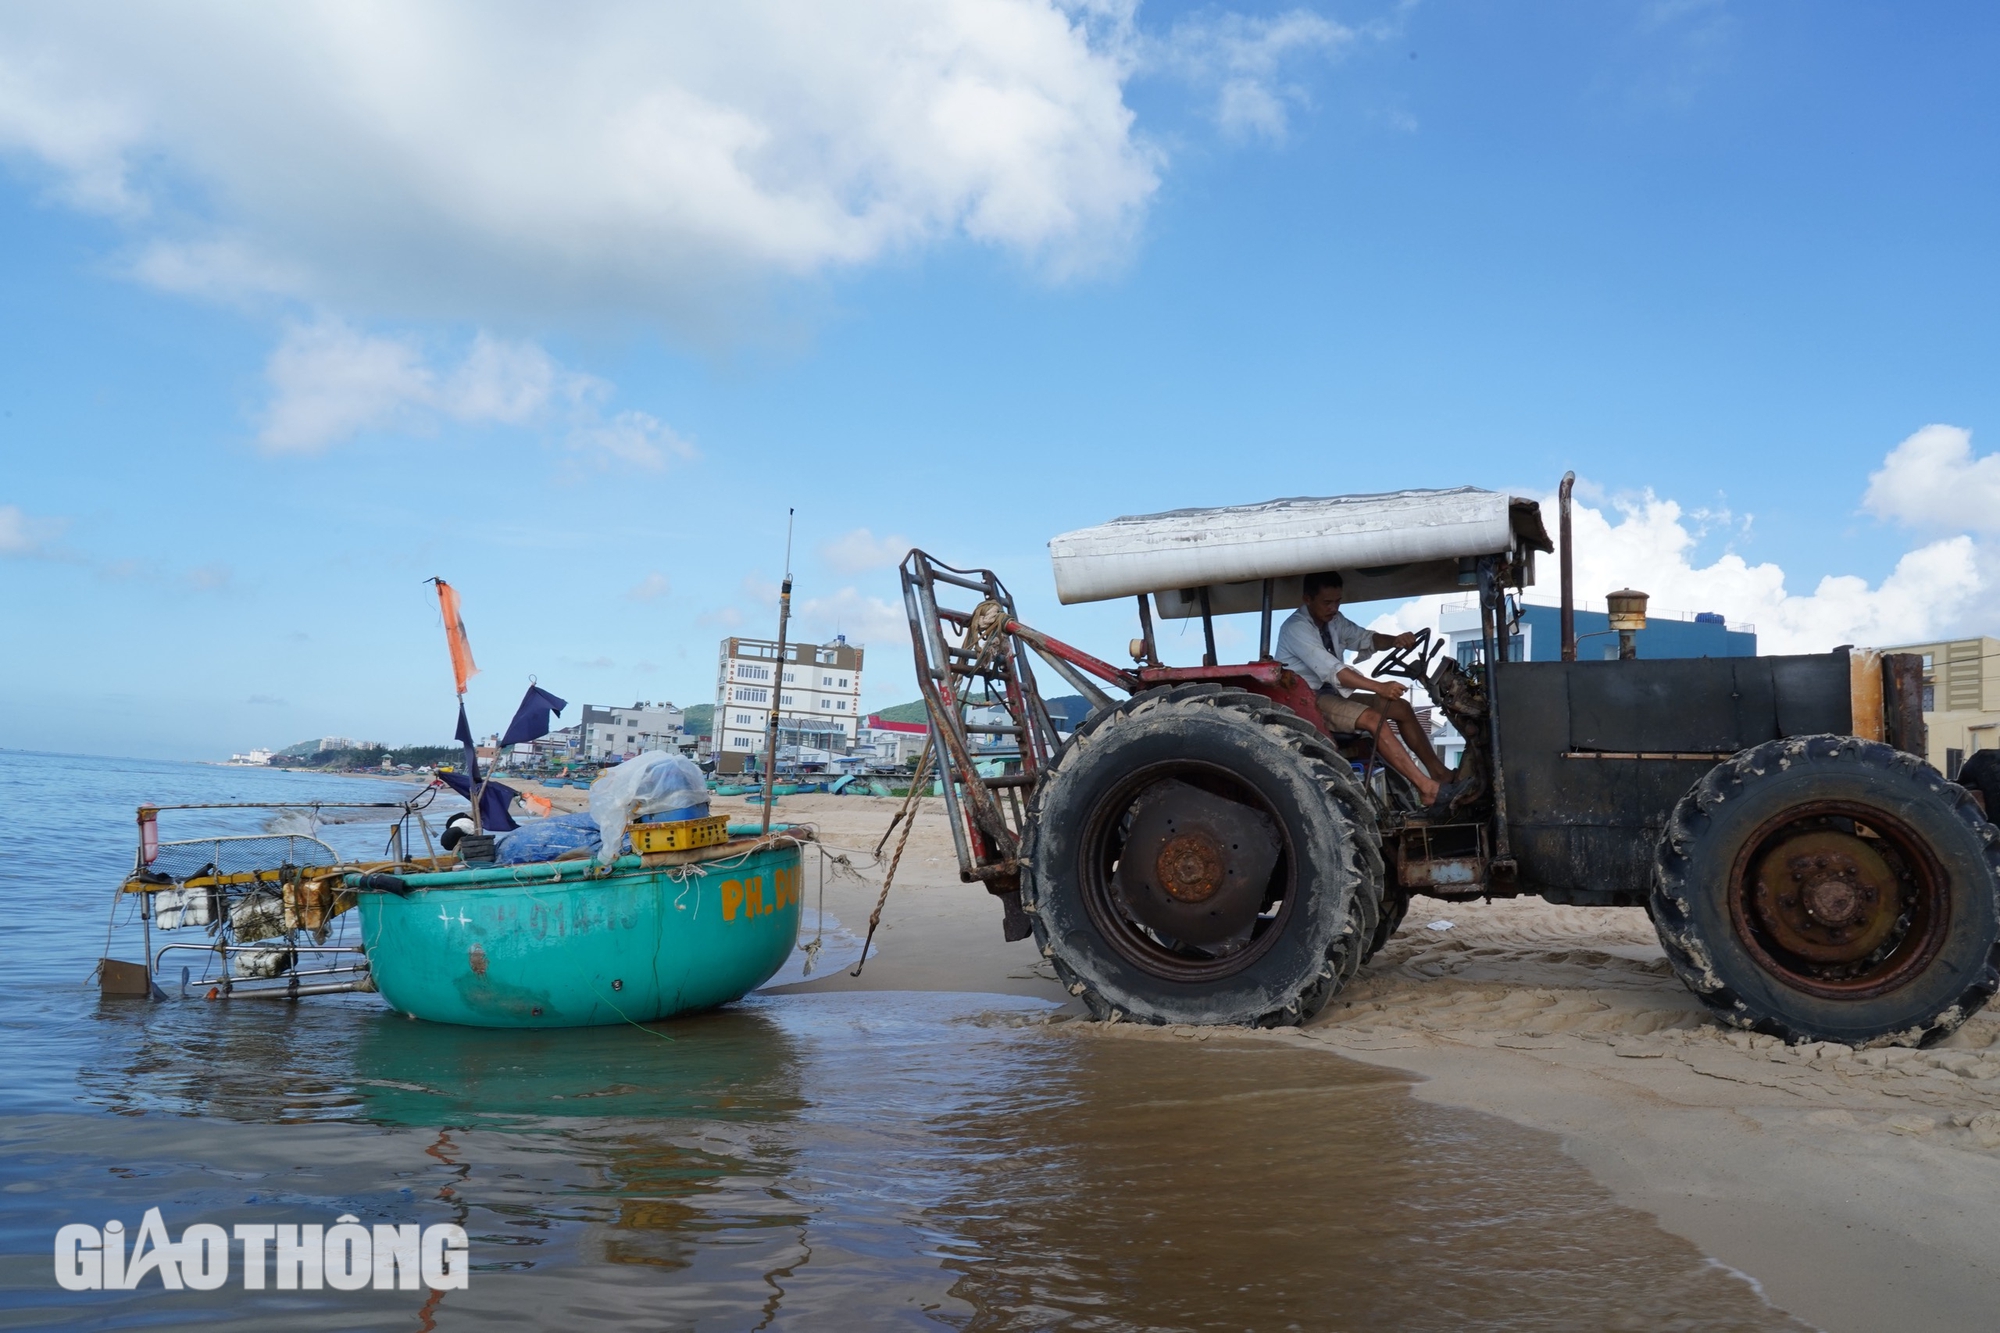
<point x="531" y="719"/>
<point x="494" y="798"/>
<point x="464" y="737"/>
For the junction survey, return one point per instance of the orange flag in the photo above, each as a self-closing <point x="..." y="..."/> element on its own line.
<point x="463" y="668"/>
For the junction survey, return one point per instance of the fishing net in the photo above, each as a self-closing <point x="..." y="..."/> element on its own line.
<point x="237" y="856"/>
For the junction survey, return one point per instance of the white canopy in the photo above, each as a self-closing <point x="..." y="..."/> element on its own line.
<point x="1402" y="544"/>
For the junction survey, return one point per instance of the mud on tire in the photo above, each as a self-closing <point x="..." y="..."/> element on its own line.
<point x="1830" y="888"/>
<point x="1270" y="947"/>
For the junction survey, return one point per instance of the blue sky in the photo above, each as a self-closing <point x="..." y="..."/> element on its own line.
<point x="568" y="308"/>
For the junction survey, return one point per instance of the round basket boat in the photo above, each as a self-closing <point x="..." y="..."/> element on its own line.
<point x="577" y="944"/>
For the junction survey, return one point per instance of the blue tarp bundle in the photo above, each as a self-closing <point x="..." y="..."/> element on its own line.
<point x="546" y="839"/>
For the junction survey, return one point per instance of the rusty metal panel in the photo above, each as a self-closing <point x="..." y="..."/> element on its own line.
<point x="1444" y="861"/>
<point x="1583" y="829"/>
<point x="1866" y="677"/>
<point x="1685" y="704"/>
<point x="1535" y="697"/>
<point x="1815" y="694"/>
<point x="1585" y="807"/>
<point x="1903" y="723"/>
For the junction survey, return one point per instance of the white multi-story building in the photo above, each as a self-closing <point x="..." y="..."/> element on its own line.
<point x="618" y="733"/>
<point x="819" y="697"/>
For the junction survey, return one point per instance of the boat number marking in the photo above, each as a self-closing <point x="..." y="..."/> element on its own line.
<point x="748" y="894"/>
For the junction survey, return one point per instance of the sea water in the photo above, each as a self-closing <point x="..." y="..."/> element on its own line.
<point x="800" y="1161"/>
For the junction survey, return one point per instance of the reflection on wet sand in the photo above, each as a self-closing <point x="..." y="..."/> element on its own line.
<point x="1175" y="1185"/>
<point x="855" y="1160"/>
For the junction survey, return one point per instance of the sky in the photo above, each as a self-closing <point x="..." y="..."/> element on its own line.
<point x="569" y="305"/>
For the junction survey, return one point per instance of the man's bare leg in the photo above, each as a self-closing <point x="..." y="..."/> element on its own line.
<point x="1391" y="749"/>
<point x="1415" y="736"/>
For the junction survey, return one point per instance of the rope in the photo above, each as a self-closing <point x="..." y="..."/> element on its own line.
<point x="909" y="803"/>
<point x="811" y="951"/>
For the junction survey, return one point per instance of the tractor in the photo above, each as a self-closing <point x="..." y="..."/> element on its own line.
<point x="1202" y="849"/>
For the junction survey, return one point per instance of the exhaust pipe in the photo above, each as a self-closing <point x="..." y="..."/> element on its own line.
<point x="1568" y="572"/>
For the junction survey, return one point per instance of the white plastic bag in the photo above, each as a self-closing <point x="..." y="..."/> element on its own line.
<point x="654" y="782"/>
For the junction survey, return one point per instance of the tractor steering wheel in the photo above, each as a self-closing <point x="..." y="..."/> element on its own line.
<point x="1400" y="661"/>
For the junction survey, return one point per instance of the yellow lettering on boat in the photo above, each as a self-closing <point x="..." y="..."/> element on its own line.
<point x="753" y="896"/>
<point x="732" y="898"/>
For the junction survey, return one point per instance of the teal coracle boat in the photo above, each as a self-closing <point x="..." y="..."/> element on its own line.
<point x="576" y="944"/>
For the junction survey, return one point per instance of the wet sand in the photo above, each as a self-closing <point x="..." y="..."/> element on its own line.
<point x="1857" y="1187"/>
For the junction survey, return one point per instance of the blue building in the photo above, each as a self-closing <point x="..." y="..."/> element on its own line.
<point x="1537" y="636"/>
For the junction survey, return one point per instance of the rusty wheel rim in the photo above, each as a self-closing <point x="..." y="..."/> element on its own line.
<point x="1839" y="900"/>
<point x="1188" y="868"/>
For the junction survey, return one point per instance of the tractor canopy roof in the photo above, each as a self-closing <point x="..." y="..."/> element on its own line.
<point x="1402" y="544"/>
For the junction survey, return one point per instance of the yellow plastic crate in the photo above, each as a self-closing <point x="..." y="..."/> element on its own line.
<point x="682" y="835"/>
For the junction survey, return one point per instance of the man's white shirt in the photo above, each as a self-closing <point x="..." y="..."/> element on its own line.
<point x="1300" y="648"/>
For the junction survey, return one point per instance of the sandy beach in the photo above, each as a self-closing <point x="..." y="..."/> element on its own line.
<point x="1856" y="1186"/>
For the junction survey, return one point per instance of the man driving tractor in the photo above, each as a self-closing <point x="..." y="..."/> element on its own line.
<point x="1311" y="642"/>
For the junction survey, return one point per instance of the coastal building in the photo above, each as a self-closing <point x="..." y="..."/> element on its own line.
<point x="1961" y="698"/>
<point x="890" y="742"/>
<point x="1537" y="636"/>
<point x="818" y="688"/>
<point x="559" y="746"/>
<point x="255" y="758"/>
<point x="613" y="733"/>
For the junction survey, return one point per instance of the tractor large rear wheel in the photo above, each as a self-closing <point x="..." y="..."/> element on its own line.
<point x="1200" y="855"/>
<point x="1834" y="889"/>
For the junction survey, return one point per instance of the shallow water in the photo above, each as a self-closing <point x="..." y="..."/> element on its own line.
<point x="808" y="1161"/>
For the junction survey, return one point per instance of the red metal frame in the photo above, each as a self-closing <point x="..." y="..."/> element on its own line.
<point x="1271" y="679"/>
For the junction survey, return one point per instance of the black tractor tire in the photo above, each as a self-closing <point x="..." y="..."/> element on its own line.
<point x="1319" y="905"/>
<point x="1395" y="906"/>
<point x="1827" y="888"/>
<point x="1981" y="773"/>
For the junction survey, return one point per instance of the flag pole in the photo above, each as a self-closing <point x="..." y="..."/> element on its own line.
<point x="463" y="668"/>
<point x="778" y="685"/>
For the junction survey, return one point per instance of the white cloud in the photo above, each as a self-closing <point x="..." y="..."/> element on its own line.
<point x="478" y="162"/>
<point x="1932" y="480"/>
<point x="21" y="534"/>
<point x="219" y="268"/>
<point x="722" y="617"/>
<point x="859" y="551"/>
<point x="863" y="619"/>
<point x="637" y="439"/>
<point x="213" y="577"/>
<point x="49" y="114"/>
<point x="330" y="381"/>
<point x="1244" y="61"/>
<point x="1650" y="543"/>
<point x="651" y="588"/>
<point x="1650" y="547"/>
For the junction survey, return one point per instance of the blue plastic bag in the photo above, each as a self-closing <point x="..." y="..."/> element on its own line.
<point x="546" y="839"/>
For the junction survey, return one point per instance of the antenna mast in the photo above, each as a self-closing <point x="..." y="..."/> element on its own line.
<point x="778" y="684"/>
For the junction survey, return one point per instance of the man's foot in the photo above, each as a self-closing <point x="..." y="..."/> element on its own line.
<point x="1440" y="802"/>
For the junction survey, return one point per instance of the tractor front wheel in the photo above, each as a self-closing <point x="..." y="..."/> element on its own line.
<point x="1834" y="889"/>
